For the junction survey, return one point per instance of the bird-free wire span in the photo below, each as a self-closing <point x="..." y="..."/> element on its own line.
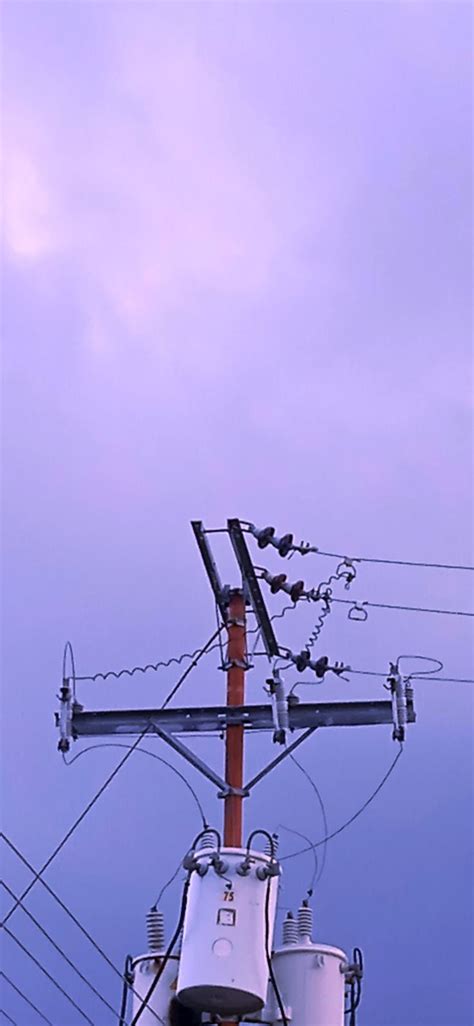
<point x="70" y="914"/>
<point x="57" y="948"/>
<point x="116" y="674"/>
<point x="8" y="1017"/>
<point x="305" y="548"/>
<point x="25" y="998"/>
<point x="144" y="751"/>
<point x="322" y="806"/>
<point x="48" y="975"/>
<point x="317" y="844"/>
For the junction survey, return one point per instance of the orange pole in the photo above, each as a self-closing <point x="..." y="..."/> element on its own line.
<point x="234" y="746"/>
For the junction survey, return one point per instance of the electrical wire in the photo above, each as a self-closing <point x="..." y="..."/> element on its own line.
<point x="47" y="974"/>
<point x="168" y="884"/>
<point x="297" y="833"/>
<point x="25" y="998"/>
<point x="305" y="548"/>
<point x="348" y="822"/>
<point x="312" y="784"/>
<point x="8" y="1017"/>
<point x="144" y="751"/>
<point x="390" y="562"/>
<point x="406" y="609"/>
<point x="149" y="666"/>
<point x="268" y="956"/>
<point x="127" y="980"/>
<point x="70" y="914"/>
<point x="166" y="957"/>
<point x="59" y="950"/>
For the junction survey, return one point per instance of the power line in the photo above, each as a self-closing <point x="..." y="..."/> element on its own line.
<point x="408" y="609"/>
<point x="348" y="822"/>
<point x="76" y="823"/>
<point x="108" y="781"/>
<point x="70" y="915"/>
<point x="8" y="1017"/>
<point x="391" y="562"/>
<point x="148" y="666"/>
<point x="47" y="974"/>
<point x="145" y="751"/>
<point x="266" y="536"/>
<point x="322" y="807"/>
<point x="60" y="950"/>
<point x="25" y="998"/>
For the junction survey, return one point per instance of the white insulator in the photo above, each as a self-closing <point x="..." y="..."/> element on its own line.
<point x="305" y="921"/>
<point x="290" y="929"/>
<point x="271" y="849"/>
<point x="208" y="840"/>
<point x="155" y="926"/>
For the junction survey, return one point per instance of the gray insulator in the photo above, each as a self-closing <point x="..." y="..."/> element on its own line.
<point x="155" y="927"/>
<point x="268" y="847"/>
<point x="208" y="840"/>
<point x="305" y="920"/>
<point x="290" y="929"/>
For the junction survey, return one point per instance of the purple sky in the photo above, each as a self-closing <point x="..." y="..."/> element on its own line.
<point x="237" y="282"/>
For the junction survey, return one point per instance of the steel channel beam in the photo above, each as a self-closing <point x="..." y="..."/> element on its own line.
<point x="216" y="718"/>
<point x="211" y="568"/>
<point x="248" y="573"/>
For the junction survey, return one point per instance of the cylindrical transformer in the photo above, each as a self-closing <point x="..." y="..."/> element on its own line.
<point x="228" y="929"/>
<point x="310" y="979"/>
<point x="145" y="969"/>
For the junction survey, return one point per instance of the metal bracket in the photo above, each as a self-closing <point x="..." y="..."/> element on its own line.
<point x="279" y="758"/>
<point x="194" y="759"/>
<point x="248" y="573"/>
<point x="220" y="593"/>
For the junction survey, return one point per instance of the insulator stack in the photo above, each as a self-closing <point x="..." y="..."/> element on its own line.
<point x="305" y="921"/>
<point x="271" y="849"/>
<point x="208" y="840"/>
<point x="290" y="929"/>
<point x="155" y="926"/>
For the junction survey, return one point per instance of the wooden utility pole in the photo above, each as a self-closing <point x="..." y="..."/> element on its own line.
<point x="234" y="741"/>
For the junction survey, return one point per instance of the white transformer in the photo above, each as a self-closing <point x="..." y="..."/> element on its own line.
<point x="228" y="930"/>
<point x="145" y="969"/>
<point x="310" y="978"/>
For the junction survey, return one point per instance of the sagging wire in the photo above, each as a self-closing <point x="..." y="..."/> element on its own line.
<point x="144" y="751"/>
<point x="71" y="916"/>
<point x="143" y="669"/>
<point x="25" y="998"/>
<point x="322" y="806"/>
<point x="348" y="822"/>
<point x="57" y="948"/>
<point x="314" y="877"/>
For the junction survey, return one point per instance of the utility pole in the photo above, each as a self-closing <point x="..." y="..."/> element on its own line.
<point x="226" y="958"/>
<point x="234" y="738"/>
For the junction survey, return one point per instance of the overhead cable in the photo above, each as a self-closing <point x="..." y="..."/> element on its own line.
<point x="48" y="975"/>
<point x="59" y="949"/>
<point x="70" y="915"/>
<point x="322" y="806"/>
<point x="8" y="1017"/>
<point x="149" y="666"/>
<point x="25" y="998"/>
<point x="286" y="547"/>
<point x="144" y="751"/>
<point x="317" y="844"/>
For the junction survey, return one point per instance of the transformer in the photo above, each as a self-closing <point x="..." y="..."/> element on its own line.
<point x="228" y="931"/>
